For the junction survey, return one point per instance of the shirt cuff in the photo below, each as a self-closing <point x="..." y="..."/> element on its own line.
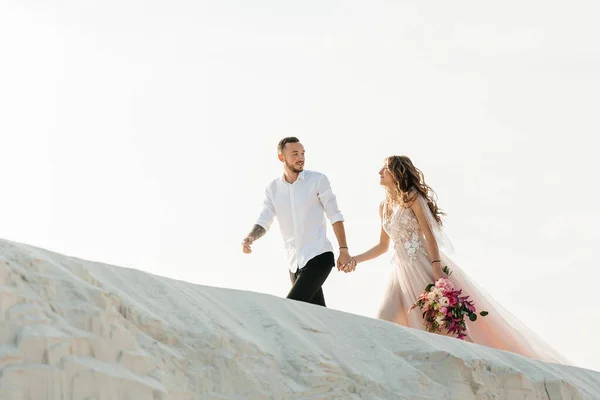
<point x="336" y="218"/>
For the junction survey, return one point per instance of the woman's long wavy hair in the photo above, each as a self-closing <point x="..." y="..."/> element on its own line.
<point x="409" y="179"/>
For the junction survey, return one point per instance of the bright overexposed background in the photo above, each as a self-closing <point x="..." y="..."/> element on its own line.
<point x="142" y="134"/>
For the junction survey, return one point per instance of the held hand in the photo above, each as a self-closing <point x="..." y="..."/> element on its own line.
<point x="246" y="245"/>
<point x="343" y="260"/>
<point x="351" y="266"/>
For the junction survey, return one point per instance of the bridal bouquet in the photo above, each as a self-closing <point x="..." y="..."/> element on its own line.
<point x="444" y="308"/>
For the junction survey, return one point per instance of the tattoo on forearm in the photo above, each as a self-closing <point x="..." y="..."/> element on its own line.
<point x="257" y="231"/>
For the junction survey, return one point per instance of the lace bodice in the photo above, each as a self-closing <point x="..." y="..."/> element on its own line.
<point x="403" y="229"/>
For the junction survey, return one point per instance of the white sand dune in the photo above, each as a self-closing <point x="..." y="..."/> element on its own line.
<point x="74" y="329"/>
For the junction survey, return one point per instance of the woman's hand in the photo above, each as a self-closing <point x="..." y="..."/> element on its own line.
<point x="437" y="271"/>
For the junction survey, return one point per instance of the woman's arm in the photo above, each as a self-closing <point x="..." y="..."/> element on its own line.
<point x="432" y="246"/>
<point x="380" y="248"/>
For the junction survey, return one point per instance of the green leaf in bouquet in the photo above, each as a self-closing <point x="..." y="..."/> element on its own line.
<point x="473" y="317"/>
<point x="447" y="270"/>
<point x="483" y="313"/>
<point x="428" y="288"/>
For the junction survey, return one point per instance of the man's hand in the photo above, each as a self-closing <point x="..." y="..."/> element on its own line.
<point x="246" y="245"/>
<point x="257" y="232"/>
<point x="344" y="260"/>
<point x="351" y="266"/>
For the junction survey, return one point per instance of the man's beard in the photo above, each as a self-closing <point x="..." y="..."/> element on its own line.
<point x="293" y="168"/>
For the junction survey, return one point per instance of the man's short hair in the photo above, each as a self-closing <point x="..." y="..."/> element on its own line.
<point x="284" y="141"/>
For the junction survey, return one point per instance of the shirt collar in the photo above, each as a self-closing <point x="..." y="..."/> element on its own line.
<point x="301" y="175"/>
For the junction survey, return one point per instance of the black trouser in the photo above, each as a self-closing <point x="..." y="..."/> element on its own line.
<point x="308" y="280"/>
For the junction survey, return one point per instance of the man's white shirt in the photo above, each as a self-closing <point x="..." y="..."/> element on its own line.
<point x="301" y="208"/>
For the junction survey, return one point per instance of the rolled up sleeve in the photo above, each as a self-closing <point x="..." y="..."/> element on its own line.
<point x="267" y="215"/>
<point x="328" y="200"/>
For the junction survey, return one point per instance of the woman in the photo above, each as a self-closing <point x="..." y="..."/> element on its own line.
<point x="410" y="217"/>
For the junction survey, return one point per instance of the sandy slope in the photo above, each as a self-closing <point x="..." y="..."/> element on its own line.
<point x="74" y="329"/>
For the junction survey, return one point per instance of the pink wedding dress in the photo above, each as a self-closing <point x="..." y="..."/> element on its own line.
<point x="412" y="272"/>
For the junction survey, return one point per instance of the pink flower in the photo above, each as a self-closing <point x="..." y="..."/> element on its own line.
<point x="445" y="284"/>
<point x="453" y="301"/>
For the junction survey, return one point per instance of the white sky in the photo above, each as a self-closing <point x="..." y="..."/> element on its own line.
<point x="142" y="134"/>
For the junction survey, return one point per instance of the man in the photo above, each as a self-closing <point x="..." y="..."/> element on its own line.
<point x="300" y="200"/>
